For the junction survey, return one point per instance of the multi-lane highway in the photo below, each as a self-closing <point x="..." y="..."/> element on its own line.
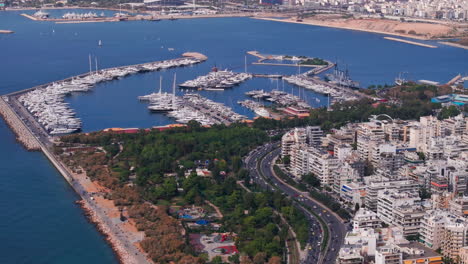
<point x="260" y="165"/>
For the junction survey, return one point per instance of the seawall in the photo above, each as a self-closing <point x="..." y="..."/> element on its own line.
<point x="23" y="134"/>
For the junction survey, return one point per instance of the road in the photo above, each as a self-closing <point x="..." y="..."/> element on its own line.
<point x="337" y="229"/>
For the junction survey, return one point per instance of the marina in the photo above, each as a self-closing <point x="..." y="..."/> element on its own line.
<point x="302" y="80"/>
<point x="257" y="107"/>
<point x="46" y="102"/>
<point x="216" y="80"/>
<point x="278" y="97"/>
<point x="190" y="107"/>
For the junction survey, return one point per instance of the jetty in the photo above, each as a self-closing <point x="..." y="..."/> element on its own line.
<point x="298" y="61"/>
<point x="454" y="79"/>
<point x="411" y="42"/>
<point x="23" y="134"/>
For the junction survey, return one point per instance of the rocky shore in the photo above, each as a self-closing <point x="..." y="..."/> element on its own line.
<point x="23" y="135"/>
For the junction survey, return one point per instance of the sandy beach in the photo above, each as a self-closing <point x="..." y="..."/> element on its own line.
<point x="388" y="27"/>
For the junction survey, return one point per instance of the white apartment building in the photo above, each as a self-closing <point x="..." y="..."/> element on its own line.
<point x="388" y="255"/>
<point x="444" y="230"/>
<point x="401" y="209"/>
<point x="376" y="184"/>
<point x="365" y="218"/>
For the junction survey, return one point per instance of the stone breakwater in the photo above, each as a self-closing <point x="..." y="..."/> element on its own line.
<point x="123" y="256"/>
<point x="23" y="135"/>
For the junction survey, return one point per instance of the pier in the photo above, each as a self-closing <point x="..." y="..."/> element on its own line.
<point x="454" y="79"/>
<point x="284" y="64"/>
<point x="411" y="42"/>
<point x="257" y="54"/>
<point x="301" y="61"/>
<point x="23" y="134"/>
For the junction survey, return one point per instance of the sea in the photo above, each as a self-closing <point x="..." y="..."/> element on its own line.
<point x="39" y="221"/>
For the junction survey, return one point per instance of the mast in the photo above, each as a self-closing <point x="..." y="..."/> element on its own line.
<point x="90" y="67"/>
<point x="173" y="92"/>
<point x="160" y="84"/>
<point x="245" y="64"/>
<point x="95" y="60"/>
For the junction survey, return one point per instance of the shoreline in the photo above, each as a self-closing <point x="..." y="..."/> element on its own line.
<point x="455" y="45"/>
<point x="125" y="251"/>
<point x="88" y="213"/>
<point x="311" y="23"/>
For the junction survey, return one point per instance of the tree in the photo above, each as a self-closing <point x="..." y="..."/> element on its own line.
<point x="421" y="155"/>
<point x="274" y="260"/>
<point x="217" y="260"/>
<point x="311" y="179"/>
<point x="447" y="112"/>
<point x="286" y="160"/>
<point x="260" y="258"/>
<point x="356" y="207"/>
<point x="424" y="194"/>
<point x="234" y="258"/>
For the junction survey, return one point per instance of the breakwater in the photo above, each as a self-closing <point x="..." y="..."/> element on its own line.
<point x="411" y="42"/>
<point x="23" y="134"/>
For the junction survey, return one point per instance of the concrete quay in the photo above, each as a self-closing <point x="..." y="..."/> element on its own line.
<point x="23" y="134"/>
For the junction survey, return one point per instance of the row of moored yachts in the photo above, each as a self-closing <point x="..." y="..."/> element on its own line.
<point x="304" y="81"/>
<point x="216" y="80"/>
<point x="278" y="97"/>
<point x="47" y="104"/>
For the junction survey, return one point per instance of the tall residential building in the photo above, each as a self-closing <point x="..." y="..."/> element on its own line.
<point x="380" y="183"/>
<point x="365" y="218"/>
<point x="444" y="230"/>
<point x="401" y="209"/>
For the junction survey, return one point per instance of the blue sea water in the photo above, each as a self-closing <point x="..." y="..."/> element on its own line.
<point x="39" y="222"/>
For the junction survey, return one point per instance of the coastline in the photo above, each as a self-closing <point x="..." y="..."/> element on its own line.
<point x="118" y="239"/>
<point x="324" y="24"/>
<point x="455" y="45"/>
